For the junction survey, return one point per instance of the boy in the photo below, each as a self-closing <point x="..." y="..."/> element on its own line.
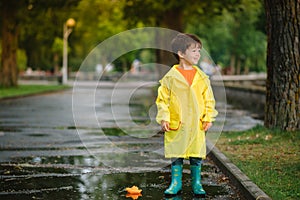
<point x="186" y="109"/>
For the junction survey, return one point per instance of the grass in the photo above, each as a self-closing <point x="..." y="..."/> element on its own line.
<point x="270" y="158"/>
<point x="24" y="90"/>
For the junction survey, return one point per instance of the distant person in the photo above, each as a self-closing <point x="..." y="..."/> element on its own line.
<point x="207" y="67"/>
<point x="186" y="109"/>
<point x="108" y="67"/>
<point x="135" y="67"/>
<point x="99" y="69"/>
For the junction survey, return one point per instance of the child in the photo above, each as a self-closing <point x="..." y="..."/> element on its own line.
<point x="186" y="109"/>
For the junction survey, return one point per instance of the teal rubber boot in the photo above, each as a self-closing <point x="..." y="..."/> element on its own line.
<point x="196" y="181"/>
<point x="176" y="182"/>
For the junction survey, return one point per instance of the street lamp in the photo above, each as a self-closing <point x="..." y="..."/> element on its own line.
<point x="68" y="27"/>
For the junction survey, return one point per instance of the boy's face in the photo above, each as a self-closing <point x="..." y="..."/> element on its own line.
<point x="192" y="54"/>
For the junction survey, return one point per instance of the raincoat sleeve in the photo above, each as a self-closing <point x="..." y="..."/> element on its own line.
<point x="209" y="100"/>
<point x="162" y="103"/>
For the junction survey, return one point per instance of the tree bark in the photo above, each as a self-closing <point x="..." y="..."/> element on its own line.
<point x="232" y="64"/>
<point x="172" y="19"/>
<point x="55" y="62"/>
<point x="283" y="64"/>
<point x="8" y="68"/>
<point x="238" y="67"/>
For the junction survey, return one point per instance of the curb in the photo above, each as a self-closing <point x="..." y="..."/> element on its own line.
<point x="248" y="189"/>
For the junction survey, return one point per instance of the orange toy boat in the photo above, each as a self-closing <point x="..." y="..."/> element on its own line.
<point x="133" y="190"/>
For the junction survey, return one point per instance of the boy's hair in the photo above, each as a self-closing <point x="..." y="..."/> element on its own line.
<point x="183" y="41"/>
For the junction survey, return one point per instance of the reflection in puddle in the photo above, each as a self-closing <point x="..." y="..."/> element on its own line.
<point x="80" y="177"/>
<point x="51" y="183"/>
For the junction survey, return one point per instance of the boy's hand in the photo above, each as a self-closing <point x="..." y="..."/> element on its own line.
<point x="165" y="126"/>
<point x="206" y="125"/>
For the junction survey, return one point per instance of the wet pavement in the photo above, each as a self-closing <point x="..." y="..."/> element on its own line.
<point x="89" y="143"/>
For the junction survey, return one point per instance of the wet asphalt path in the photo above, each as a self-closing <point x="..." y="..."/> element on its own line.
<point x="82" y="144"/>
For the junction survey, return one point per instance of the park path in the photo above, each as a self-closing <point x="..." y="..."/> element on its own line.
<point x="80" y="144"/>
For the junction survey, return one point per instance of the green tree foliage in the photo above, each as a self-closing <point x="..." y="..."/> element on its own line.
<point x="96" y="21"/>
<point x="233" y="39"/>
<point x="41" y="24"/>
<point x="230" y="29"/>
<point x="250" y="43"/>
<point x="106" y="20"/>
<point x="57" y="48"/>
<point x="32" y="26"/>
<point x="174" y="15"/>
<point x="21" y="60"/>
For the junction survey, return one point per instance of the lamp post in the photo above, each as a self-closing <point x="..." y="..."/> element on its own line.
<point x="68" y="27"/>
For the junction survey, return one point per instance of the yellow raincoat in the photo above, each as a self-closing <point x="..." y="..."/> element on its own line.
<point x="185" y="107"/>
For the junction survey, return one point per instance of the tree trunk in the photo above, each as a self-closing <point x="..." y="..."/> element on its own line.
<point x="56" y="65"/>
<point x="172" y="19"/>
<point x="8" y="68"/>
<point x="238" y="67"/>
<point x="283" y="64"/>
<point x="232" y="65"/>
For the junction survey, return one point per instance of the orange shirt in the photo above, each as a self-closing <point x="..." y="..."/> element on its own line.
<point x="188" y="74"/>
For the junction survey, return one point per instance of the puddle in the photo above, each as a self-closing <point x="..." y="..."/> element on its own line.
<point x="52" y="183"/>
<point x="84" y="177"/>
<point x="9" y="129"/>
<point x="65" y="160"/>
<point x="38" y="135"/>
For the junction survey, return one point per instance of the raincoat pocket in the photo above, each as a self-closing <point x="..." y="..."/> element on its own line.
<point x="175" y="125"/>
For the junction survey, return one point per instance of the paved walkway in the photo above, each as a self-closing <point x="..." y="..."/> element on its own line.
<point x="82" y="144"/>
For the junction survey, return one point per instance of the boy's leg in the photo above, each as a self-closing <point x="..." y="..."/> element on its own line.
<point x="195" y="165"/>
<point x="195" y="161"/>
<point x="177" y="161"/>
<point x="176" y="174"/>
